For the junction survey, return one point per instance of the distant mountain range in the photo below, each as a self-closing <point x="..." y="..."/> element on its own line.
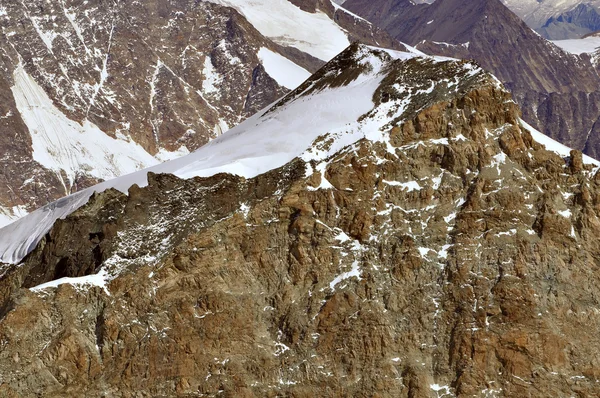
<point x="576" y="23"/>
<point x="558" y="19"/>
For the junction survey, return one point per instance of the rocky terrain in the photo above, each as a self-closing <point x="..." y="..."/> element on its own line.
<point x="428" y="247"/>
<point x="93" y="89"/>
<point x="559" y="92"/>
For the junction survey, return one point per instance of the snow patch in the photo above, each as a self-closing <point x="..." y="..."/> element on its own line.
<point x="423" y="251"/>
<point x="342" y="237"/>
<point x="245" y="209"/>
<point x="337" y="6"/>
<point x="444" y="252"/>
<point x="60" y="143"/>
<point x="285" y="72"/>
<point x="47" y="36"/>
<point x="554" y="146"/>
<point x="164" y="155"/>
<point x="212" y="79"/>
<point x="579" y="46"/>
<point x="286" y="24"/>
<point x="100" y="279"/>
<point x="443" y="390"/>
<point x="325" y="184"/>
<point x="498" y="160"/>
<point x="354" y="272"/>
<point x="565" y="213"/>
<point x="409" y="186"/>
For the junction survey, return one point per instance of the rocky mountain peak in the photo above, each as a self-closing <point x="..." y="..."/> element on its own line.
<point x="557" y="91"/>
<point x="359" y="71"/>
<point x="414" y="237"/>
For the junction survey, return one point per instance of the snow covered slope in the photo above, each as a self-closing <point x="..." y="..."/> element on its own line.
<point x="579" y="46"/>
<point x="285" y="72"/>
<point x="286" y="24"/>
<point x="338" y="101"/>
<point x="268" y="140"/>
<point x="94" y="90"/>
<point x="60" y="143"/>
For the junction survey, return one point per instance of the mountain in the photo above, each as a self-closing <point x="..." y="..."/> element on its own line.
<point x="539" y="13"/>
<point x="574" y="24"/>
<point x="392" y="228"/>
<point x="94" y="90"/>
<point x="559" y="92"/>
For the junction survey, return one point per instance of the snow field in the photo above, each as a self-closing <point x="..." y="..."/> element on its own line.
<point x="288" y="25"/>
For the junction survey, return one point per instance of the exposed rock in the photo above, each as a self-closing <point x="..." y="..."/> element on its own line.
<point x="459" y="260"/>
<point x="262" y="90"/>
<point x="558" y="92"/>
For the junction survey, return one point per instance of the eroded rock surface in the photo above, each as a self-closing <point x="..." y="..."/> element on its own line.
<point x="456" y="258"/>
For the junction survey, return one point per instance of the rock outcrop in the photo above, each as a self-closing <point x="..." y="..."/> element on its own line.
<point x="452" y="256"/>
<point x="558" y="92"/>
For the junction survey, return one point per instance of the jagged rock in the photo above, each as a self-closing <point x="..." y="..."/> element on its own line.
<point x="559" y="93"/>
<point x="457" y="258"/>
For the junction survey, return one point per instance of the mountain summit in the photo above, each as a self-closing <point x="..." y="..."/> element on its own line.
<point x="558" y="92"/>
<point x="391" y="228"/>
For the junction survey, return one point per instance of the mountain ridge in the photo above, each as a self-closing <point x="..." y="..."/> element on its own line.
<point x="148" y="80"/>
<point x="440" y="250"/>
<point x="232" y="152"/>
<point x="558" y="91"/>
<point x="573" y="24"/>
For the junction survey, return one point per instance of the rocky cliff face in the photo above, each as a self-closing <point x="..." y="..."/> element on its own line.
<point x="558" y="92"/>
<point x="446" y="253"/>
<point x="93" y="90"/>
